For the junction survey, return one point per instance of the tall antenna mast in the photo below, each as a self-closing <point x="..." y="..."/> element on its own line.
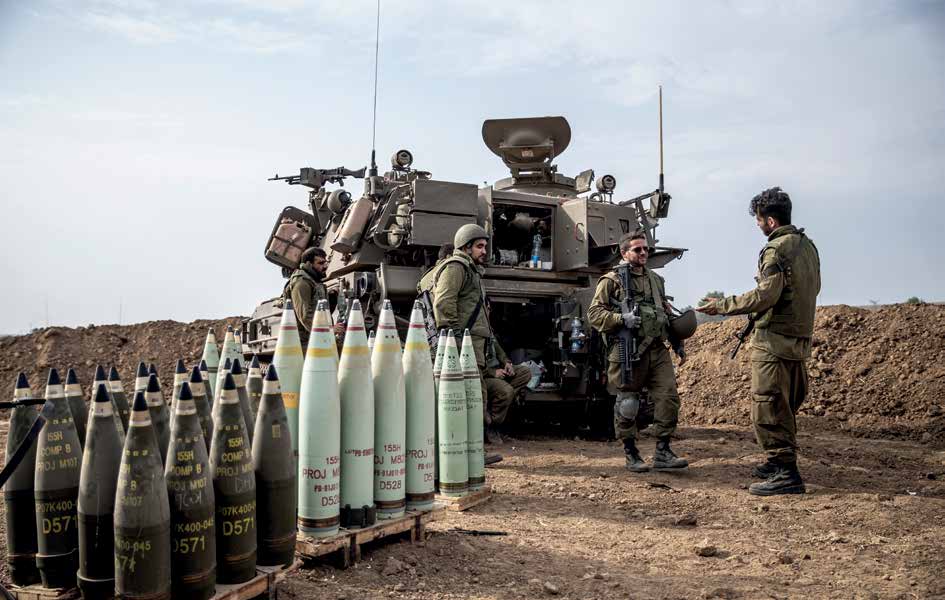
<point x="377" y="43"/>
<point x="661" y="139"/>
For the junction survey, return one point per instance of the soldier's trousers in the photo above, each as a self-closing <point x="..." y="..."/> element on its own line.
<point x="778" y="389"/>
<point x="501" y="392"/>
<point x="654" y="371"/>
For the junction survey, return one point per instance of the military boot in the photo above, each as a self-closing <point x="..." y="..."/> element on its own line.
<point x="635" y="462"/>
<point x="665" y="460"/>
<point x="786" y="480"/>
<point x="764" y="470"/>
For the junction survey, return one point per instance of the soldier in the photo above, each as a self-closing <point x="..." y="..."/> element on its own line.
<point x="782" y="310"/>
<point x="458" y="304"/>
<point x="305" y="289"/>
<point x="654" y="367"/>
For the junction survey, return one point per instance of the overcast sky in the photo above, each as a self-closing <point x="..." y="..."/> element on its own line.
<point x="136" y="136"/>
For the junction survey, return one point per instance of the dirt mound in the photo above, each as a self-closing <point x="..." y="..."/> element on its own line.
<point x="160" y="342"/>
<point x="874" y="372"/>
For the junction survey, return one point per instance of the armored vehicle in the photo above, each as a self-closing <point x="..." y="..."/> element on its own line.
<point x="552" y="237"/>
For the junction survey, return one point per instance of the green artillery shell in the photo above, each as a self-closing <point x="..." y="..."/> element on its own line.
<point x="356" y="391"/>
<point x="320" y="431"/>
<point x="198" y="389"/>
<point x="56" y="491"/>
<point x="231" y="349"/>
<point x="180" y="376"/>
<point x="18" y="492"/>
<point x="222" y="372"/>
<point x="451" y="400"/>
<point x="190" y="495"/>
<point x="141" y="380"/>
<point x="119" y="399"/>
<point x="80" y="414"/>
<point x="100" y="378"/>
<point x="390" y="416"/>
<point x="98" y="482"/>
<point x="239" y="378"/>
<point x="211" y="356"/>
<point x="234" y="489"/>
<point x="142" y="513"/>
<point x="437" y="369"/>
<point x="274" y="464"/>
<point x="288" y="359"/>
<point x="475" y="452"/>
<point x="208" y="381"/>
<point x="418" y="388"/>
<point x="254" y="386"/>
<point x="160" y="417"/>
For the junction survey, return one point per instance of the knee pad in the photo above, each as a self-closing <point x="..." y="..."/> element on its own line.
<point x="628" y="405"/>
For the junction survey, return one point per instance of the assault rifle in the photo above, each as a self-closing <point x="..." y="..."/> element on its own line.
<point x="626" y="337"/>
<point x="743" y="334"/>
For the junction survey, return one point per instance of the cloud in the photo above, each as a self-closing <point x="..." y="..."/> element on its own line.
<point x="137" y="29"/>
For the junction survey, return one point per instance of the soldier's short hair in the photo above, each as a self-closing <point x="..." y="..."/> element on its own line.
<point x="310" y="254"/>
<point x="629" y="237"/>
<point x="773" y="202"/>
<point x="446" y="250"/>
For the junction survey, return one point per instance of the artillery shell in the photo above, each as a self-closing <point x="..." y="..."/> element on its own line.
<point x="198" y="388"/>
<point x="142" y="514"/>
<point x="421" y="409"/>
<point x="190" y="495"/>
<point x="475" y="452"/>
<point x="80" y="414"/>
<point x="119" y="399"/>
<point x="451" y="408"/>
<point x="160" y="417"/>
<point x="210" y="358"/>
<point x="288" y="359"/>
<point x="239" y="378"/>
<point x="18" y="492"/>
<point x="390" y="414"/>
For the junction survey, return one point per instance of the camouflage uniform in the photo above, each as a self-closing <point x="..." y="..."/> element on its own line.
<point x="783" y="303"/>
<point x="305" y="289"/>
<point x="654" y="370"/>
<point x="502" y="392"/>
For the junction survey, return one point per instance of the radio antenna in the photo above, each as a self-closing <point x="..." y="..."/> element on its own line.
<point x="661" y="140"/>
<point x="377" y="43"/>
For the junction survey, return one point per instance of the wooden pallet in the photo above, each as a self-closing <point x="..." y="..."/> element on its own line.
<point x="347" y="542"/>
<point x="468" y="501"/>
<point x="265" y="582"/>
<point x="38" y="592"/>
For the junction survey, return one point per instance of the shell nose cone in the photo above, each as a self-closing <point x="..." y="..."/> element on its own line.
<point x="101" y="394"/>
<point x="236" y="368"/>
<point x="152" y="369"/>
<point x="53" y="378"/>
<point x="228" y="383"/>
<point x="153" y="385"/>
<point x="228" y="364"/>
<point x="203" y="365"/>
<point x="195" y="376"/>
<point x="71" y="378"/>
<point x="271" y="374"/>
<point x="21" y="381"/>
<point x="99" y="373"/>
<point x="180" y="368"/>
<point x="287" y="306"/>
<point x="140" y="403"/>
<point x="254" y="364"/>
<point x="113" y="375"/>
<point x="142" y="370"/>
<point x="185" y="392"/>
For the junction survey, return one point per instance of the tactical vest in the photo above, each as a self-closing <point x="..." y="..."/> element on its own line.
<point x="468" y="297"/>
<point x="319" y="292"/>
<point x="654" y="321"/>
<point x="797" y="258"/>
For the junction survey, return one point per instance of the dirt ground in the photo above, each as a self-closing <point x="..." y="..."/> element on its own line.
<point x="576" y="525"/>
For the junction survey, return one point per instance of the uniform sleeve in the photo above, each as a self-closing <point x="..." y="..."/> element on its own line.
<point x="302" y="302"/>
<point x="763" y="297"/>
<point x="445" y="297"/>
<point x="600" y="314"/>
<point x="500" y="354"/>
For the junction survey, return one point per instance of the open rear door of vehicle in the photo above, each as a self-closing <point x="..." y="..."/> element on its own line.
<point x="570" y="235"/>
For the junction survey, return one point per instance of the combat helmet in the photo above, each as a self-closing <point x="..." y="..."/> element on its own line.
<point x="682" y="326"/>
<point x="469" y="232"/>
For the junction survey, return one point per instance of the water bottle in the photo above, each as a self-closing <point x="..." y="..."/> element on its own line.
<point x="577" y="335"/>
<point x="536" y="251"/>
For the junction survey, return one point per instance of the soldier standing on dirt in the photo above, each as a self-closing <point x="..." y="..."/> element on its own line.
<point x="305" y="289"/>
<point x="459" y="304"/>
<point x="653" y="370"/>
<point x="782" y="310"/>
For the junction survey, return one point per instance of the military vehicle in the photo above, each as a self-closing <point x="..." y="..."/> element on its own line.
<point x="552" y="238"/>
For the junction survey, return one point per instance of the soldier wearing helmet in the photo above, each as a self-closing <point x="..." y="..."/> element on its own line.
<point x="458" y="304"/>
<point x="654" y="367"/>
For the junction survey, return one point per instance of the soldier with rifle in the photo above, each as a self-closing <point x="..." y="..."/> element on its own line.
<point x="305" y="289"/>
<point x="781" y="312"/>
<point x="631" y="311"/>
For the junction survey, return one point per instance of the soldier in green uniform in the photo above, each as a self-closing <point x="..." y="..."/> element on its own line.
<point x="459" y="304"/>
<point x="782" y="308"/>
<point x="654" y="368"/>
<point x="305" y="289"/>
